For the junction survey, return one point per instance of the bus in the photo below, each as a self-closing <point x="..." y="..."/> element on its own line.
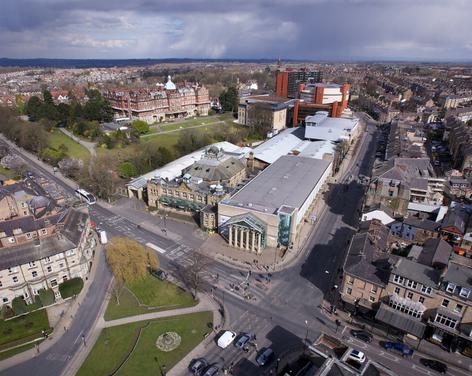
<point x="83" y="195"/>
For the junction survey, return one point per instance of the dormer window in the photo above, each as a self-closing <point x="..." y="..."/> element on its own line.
<point x="464" y="293"/>
<point x="450" y="287"/>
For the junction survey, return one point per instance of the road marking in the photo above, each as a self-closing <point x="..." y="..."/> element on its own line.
<point x="358" y="343"/>
<point x="415" y="367"/>
<point x="389" y="356"/>
<point x="156" y="248"/>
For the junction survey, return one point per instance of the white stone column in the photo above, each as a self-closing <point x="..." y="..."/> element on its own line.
<point x="259" y="243"/>
<point x="253" y="248"/>
<point x="230" y="240"/>
<point x="247" y="239"/>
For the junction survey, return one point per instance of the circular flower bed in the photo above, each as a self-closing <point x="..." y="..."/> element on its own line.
<point x="168" y="341"/>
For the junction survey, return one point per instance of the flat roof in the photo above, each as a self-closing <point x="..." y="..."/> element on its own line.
<point x="288" y="181"/>
<point x="328" y="128"/>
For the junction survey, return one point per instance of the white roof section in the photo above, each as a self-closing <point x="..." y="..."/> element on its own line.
<point x="379" y="215"/>
<point x="290" y="141"/>
<point x="174" y="169"/>
<point x="322" y="127"/>
<point x="169" y="84"/>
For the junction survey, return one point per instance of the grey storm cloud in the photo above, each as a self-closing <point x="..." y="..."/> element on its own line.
<point x="303" y="29"/>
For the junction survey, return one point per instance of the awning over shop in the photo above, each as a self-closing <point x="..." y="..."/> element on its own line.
<point x="400" y="320"/>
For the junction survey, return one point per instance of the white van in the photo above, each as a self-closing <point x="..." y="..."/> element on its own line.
<point x="226" y="338"/>
<point x="103" y="236"/>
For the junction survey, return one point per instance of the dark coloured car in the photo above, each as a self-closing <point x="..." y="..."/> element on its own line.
<point x="198" y="365"/>
<point x="404" y="349"/>
<point x="159" y="274"/>
<point x="265" y="357"/>
<point x="362" y="335"/>
<point x="242" y="340"/>
<point x="435" y="365"/>
<point x="212" y="370"/>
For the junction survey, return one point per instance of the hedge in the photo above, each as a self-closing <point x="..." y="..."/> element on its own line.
<point x="7" y="312"/>
<point x="71" y="287"/>
<point x="19" y="306"/>
<point x="46" y="297"/>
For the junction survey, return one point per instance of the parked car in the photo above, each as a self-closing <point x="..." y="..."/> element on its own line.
<point x="362" y="335"/>
<point x="357" y="356"/>
<point x="435" y="365"/>
<point x="242" y="341"/>
<point x="467" y="351"/>
<point x="159" y="274"/>
<point x="265" y="357"/>
<point x="404" y="349"/>
<point x="226" y="338"/>
<point x="198" y="365"/>
<point x="212" y="370"/>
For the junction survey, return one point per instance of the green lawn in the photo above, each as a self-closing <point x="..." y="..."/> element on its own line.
<point x="10" y="174"/>
<point x="22" y="329"/>
<point x="74" y="149"/>
<point x="114" y="342"/>
<point x="185" y="124"/>
<point x="153" y="294"/>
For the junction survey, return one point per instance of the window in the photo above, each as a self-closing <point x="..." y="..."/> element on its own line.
<point x="398" y="279"/>
<point x="61" y="265"/>
<point x="5" y="300"/>
<point x="11" y="240"/>
<point x="426" y="289"/>
<point x="64" y="278"/>
<point x="15" y="279"/>
<point x="374" y="289"/>
<point x="350" y="280"/>
<point x="410" y="295"/>
<point x="372" y="299"/>
<point x="44" y="231"/>
<point x="445" y="303"/>
<point x="397" y="290"/>
<point x="34" y="273"/>
<point x="450" y="287"/>
<point x="446" y="321"/>
<point x="458" y="308"/>
<point x="421" y="299"/>
<point x="349" y="291"/>
<point x="1" y="284"/>
<point x="28" y="235"/>
<point x="49" y="269"/>
<point x="32" y="264"/>
<point x="47" y="260"/>
<point x="53" y="282"/>
<point x="464" y="293"/>
<point x="412" y="284"/>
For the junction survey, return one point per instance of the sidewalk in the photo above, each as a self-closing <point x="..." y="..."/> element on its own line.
<point x="423" y="348"/>
<point x="59" y="329"/>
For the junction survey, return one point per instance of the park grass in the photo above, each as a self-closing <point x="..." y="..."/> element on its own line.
<point x="22" y="329"/>
<point x="153" y="294"/>
<point x="74" y="149"/>
<point x="194" y="122"/>
<point x="114" y="342"/>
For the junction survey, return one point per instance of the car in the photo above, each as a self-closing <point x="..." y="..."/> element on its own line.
<point x="198" y="365"/>
<point x="404" y="349"/>
<point x="435" y="365"/>
<point x="265" y="357"/>
<point x="362" y="335"/>
<point x="242" y="341"/>
<point x="159" y="274"/>
<point x="357" y="356"/>
<point x="213" y="370"/>
<point x="226" y="338"/>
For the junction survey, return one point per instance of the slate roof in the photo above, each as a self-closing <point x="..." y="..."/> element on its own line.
<point x="424" y="224"/>
<point x="415" y="271"/>
<point x="435" y="252"/>
<point x="214" y="170"/>
<point x="456" y="217"/>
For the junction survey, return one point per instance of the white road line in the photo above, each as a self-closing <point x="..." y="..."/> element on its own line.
<point x="358" y="343"/>
<point x="415" y="367"/>
<point x="156" y="248"/>
<point x="388" y="356"/>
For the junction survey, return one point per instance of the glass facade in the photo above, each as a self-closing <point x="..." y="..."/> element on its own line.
<point x="285" y="223"/>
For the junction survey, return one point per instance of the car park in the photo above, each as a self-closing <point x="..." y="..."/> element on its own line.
<point x="242" y="341"/>
<point x="213" y="370"/>
<point x="265" y="357"/>
<point x="357" y="356"/>
<point x="226" y="338"/>
<point x="362" y="335"/>
<point x="404" y="349"/>
<point x="435" y="365"/>
<point x="198" y="366"/>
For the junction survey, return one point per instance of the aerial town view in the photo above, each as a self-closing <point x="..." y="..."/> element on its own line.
<point x="197" y="187"/>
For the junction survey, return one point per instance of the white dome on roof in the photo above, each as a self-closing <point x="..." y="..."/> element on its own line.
<point x="169" y="84"/>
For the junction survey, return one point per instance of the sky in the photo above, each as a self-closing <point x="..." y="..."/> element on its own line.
<point x="426" y="30"/>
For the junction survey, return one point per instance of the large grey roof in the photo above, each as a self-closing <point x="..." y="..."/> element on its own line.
<point x="457" y="217"/>
<point x="287" y="181"/>
<point x="460" y="275"/>
<point x="435" y="252"/>
<point x="424" y="224"/>
<point x="417" y="272"/>
<point x="214" y="170"/>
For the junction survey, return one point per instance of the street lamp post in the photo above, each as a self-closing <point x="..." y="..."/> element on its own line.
<point x="306" y="336"/>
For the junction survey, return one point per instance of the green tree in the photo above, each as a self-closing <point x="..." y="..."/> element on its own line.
<point x="128" y="261"/>
<point x="229" y="99"/>
<point x="20" y="104"/>
<point x="97" y="108"/>
<point x="33" y="108"/>
<point x="140" y="126"/>
<point x="127" y="170"/>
